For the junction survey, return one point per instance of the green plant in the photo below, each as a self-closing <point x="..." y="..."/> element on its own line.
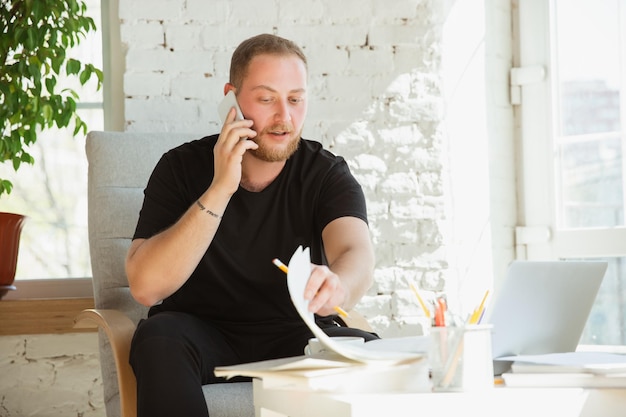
<point x="34" y="38"/>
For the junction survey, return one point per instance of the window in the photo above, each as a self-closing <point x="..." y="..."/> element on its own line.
<point x="573" y="136"/>
<point x="587" y="129"/>
<point x="52" y="193"/>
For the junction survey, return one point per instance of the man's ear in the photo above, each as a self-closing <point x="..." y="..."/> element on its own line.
<point x="228" y="87"/>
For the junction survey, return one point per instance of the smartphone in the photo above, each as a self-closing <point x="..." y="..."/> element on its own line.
<point x="228" y="103"/>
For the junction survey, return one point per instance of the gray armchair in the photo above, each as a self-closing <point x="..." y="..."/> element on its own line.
<point x="119" y="167"/>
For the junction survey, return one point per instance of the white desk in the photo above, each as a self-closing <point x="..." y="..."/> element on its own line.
<point x="501" y="401"/>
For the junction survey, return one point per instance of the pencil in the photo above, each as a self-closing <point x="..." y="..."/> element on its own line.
<point x="478" y="312"/>
<point x="280" y="265"/>
<point x="420" y="300"/>
<point x="284" y="268"/>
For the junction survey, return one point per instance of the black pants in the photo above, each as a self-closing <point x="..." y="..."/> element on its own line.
<point x="173" y="354"/>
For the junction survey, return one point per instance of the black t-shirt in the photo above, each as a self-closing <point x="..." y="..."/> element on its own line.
<point x="236" y="281"/>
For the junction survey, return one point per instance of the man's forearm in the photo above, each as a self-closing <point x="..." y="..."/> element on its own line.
<point x="158" y="266"/>
<point x="355" y="269"/>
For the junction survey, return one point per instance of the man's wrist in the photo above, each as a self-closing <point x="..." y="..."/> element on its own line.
<point x="210" y="212"/>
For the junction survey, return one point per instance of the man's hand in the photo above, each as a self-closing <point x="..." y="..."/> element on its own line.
<point x="229" y="150"/>
<point x="324" y="291"/>
<point x="350" y="270"/>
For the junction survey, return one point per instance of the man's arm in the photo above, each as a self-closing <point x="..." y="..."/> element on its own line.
<point x="350" y="255"/>
<point x="158" y="266"/>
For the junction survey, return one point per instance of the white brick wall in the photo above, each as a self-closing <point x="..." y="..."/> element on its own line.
<point x="50" y="376"/>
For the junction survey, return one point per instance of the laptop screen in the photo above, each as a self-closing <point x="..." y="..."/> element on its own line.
<point x="542" y="307"/>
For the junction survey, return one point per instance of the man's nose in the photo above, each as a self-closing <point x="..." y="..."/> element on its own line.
<point x="282" y="112"/>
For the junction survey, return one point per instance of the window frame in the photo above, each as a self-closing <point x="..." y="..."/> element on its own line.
<point x="538" y="235"/>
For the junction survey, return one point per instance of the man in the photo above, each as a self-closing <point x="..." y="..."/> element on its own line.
<point x="216" y="212"/>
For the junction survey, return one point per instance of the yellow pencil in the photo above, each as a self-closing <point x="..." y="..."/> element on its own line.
<point x="475" y="317"/>
<point x="419" y="299"/>
<point x="284" y="268"/>
<point x="341" y="311"/>
<point x="281" y="265"/>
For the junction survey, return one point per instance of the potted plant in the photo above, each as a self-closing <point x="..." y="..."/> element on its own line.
<point x="35" y="38"/>
<point x="10" y="230"/>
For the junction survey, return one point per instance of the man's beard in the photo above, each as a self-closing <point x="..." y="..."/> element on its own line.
<point x="270" y="153"/>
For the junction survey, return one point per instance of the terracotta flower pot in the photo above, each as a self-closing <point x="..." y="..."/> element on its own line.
<point x="10" y="230"/>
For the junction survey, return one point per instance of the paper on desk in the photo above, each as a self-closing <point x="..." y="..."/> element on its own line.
<point x="299" y="271"/>
<point x="564" y="379"/>
<point x="593" y="362"/>
<point x="296" y="363"/>
<point x="410" y="344"/>
<point x="287" y="370"/>
<point x="333" y="375"/>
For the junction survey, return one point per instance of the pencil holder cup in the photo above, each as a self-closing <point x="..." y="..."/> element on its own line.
<point x="460" y="358"/>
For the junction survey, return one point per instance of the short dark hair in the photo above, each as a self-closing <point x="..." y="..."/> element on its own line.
<point x="258" y="45"/>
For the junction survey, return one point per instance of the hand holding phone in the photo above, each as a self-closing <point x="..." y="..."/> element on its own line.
<point x="228" y="103"/>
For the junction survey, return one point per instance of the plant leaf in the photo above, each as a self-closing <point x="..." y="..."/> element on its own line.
<point x="72" y="66"/>
<point x="5" y="187"/>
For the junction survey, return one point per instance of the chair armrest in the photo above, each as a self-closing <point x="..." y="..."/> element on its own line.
<point x="119" y="330"/>
<point x="356" y="321"/>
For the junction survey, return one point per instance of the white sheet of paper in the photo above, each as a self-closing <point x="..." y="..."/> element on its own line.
<point x="296" y="363"/>
<point x="411" y="344"/>
<point x="595" y="362"/>
<point x="299" y="272"/>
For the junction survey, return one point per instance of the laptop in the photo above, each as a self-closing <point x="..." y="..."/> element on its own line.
<point x="542" y="307"/>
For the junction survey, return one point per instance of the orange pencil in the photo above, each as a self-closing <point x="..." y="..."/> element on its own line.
<point x="440" y="312"/>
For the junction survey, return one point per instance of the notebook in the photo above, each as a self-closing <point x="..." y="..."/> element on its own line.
<point x="542" y="307"/>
